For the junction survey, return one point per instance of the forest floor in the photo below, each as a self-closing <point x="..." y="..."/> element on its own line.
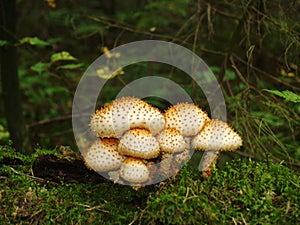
<point x="54" y="187"/>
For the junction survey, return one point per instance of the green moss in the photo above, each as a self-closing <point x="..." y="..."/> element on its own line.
<point x="243" y="192"/>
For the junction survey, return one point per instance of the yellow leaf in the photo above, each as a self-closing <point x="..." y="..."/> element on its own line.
<point x="109" y="55"/>
<point x="106" y="52"/>
<point x="282" y="72"/>
<point x="286" y="74"/>
<point x="104" y="73"/>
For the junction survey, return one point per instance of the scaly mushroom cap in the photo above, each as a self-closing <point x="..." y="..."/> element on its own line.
<point x="103" y="156"/>
<point x="102" y="123"/>
<point x="185" y="117"/>
<point x="170" y="140"/>
<point x="139" y="143"/>
<point x="217" y="135"/>
<point x="126" y="113"/>
<point x="134" y="171"/>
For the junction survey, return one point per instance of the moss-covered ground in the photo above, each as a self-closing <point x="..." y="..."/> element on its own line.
<point x="243" y="192"/>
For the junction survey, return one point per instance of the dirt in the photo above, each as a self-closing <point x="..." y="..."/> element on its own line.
<point x="54" y="169"/>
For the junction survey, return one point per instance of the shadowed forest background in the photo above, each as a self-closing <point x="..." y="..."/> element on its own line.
<point x="253" y="48"/>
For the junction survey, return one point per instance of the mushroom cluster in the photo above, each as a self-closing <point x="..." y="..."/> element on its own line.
<point x="133" y="136"/>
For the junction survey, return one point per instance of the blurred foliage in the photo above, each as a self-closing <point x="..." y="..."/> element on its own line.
<point x="251" y="46"/>
<point x="287" y="95"/>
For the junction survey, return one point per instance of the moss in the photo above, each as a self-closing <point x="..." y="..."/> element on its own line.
<point x="244" y="191"/>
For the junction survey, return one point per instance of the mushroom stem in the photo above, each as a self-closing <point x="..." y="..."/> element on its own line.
<point x="166" y="164"/>
<point x="209" y="158"/>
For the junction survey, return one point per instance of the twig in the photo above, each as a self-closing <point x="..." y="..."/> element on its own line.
<point x="265" y="73"/>
<point x="90" y="208"/>
<point x="222" y="13"/>
<point x="234" y="221"/>
<point x="133" y="30"/>
<point x="54" y="120"/>
<point x="292" y="182"/>
<point x="278" y="24"/>
<point x="36" y="213"/>
<point x="244" y="219"/>
<point x="38" y="179"/>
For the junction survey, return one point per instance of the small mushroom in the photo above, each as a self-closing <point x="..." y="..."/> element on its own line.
<point x="139" y="143"/>
<point x="103" y="156"/>
<point x="215" y="136"/>
<point x="134" y="171"/>
<point x="170" y="140"/>
<point x="185" y="117"/>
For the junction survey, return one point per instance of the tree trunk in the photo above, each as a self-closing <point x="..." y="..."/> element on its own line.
<point x="9" y="78"/>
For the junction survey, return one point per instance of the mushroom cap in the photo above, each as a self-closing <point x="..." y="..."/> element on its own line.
<point x="103" y="156"/>
<point x="186" y="117"/>
<point x="170" y="140"/>
<point x="126" y="113"/>
<point x="101" y="123"/>
<point x="139" y="143"/>
<point x="217" y="135"/>
<point x="134" y="170"/>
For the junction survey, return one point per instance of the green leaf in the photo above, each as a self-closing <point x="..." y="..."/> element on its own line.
<point x="88" y="29"/>
<point x="229" y="75"/>
<point x="56" y="89"/>
<point x="2" y="43"/>
<point x="215" y="69"/>
<point x="40" y="67"/>
<point x="34" y="41"/>
<point x="70" y="66"/>
<point x="269" y="118"/>
<point x="287" y="95"/>
<point x="62" y="56"/>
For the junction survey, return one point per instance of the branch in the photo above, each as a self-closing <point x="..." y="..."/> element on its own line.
<point x="54" y="120"/>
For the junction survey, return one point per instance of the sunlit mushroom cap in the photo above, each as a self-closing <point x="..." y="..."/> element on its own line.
<point x="170" y="140"/>
<point x="217" y="135"/>
<point x="126" y="113"/>
<point x="139" y="143"/>
<point x="102" y="123"/>
<point x="103" y="156"/>
<point x="134" y="170"/>
<point x="144" y="115"/>
<point x="187" y="118"/>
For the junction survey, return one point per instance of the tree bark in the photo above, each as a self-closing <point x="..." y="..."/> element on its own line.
<point x="9" y="78"/>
